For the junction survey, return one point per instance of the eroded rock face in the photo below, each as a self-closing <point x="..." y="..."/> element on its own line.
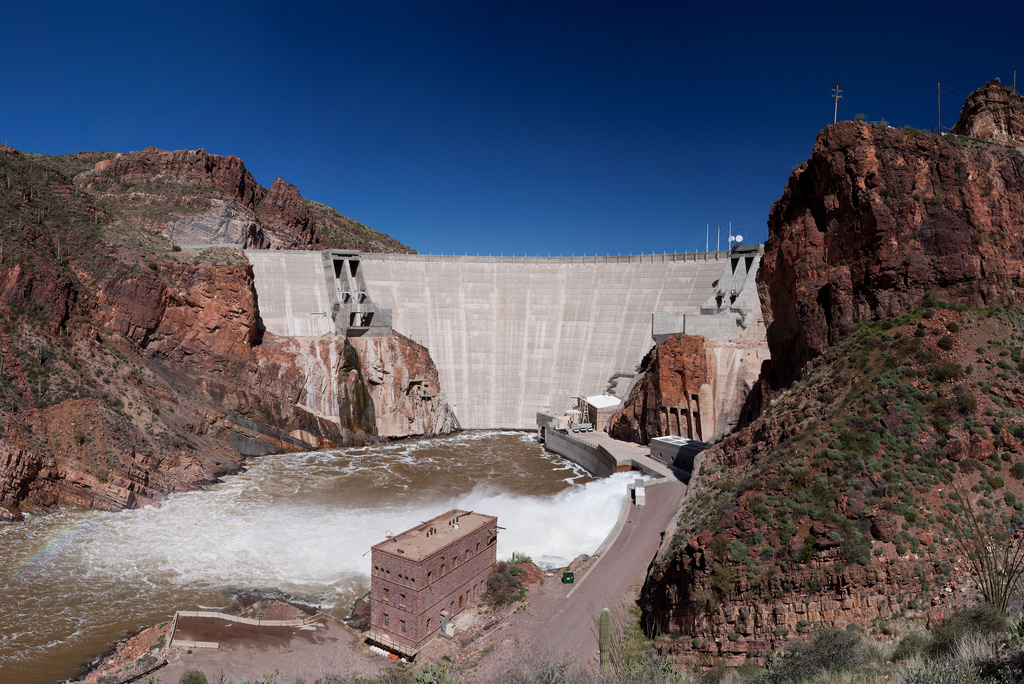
<point x="191" y="167"/>
<point x="691" y="387"/>
<point x="288" y="220"/>
<point x="225" y="205"/>
<point x="221" y="224"/>
<point x="993" y="112"/>
<point x="42" y="464"/>
<point x="664" y="400"/>
<point x="880" y="220"/>
<point x="404" y="386"/>
<point x="822" y="594"/>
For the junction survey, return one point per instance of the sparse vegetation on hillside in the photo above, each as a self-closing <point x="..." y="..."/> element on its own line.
<point x="871" y="442"/>
<point x="348" y="233"/>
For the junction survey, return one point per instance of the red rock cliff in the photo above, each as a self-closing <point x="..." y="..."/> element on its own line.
<point x="879" y="221"/>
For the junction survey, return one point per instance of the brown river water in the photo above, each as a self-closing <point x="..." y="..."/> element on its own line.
<point x="72" y="582"/>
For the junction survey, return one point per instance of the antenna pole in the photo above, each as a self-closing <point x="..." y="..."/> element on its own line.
<point x="837" y="96"/>
<point x="939" y="88"/>
<point x="707" y="237"/>
<point x="718" y="247"/>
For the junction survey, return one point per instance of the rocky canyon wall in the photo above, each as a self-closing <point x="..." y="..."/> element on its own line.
<point x="822" y="511"/>
<point x="129" y="370"/>
<point x="880" y="220"/>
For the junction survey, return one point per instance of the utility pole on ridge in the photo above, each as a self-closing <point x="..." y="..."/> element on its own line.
<point x="837" y="96"/>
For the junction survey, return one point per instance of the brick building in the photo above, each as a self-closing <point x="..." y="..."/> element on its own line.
<point x="440" y="566"/>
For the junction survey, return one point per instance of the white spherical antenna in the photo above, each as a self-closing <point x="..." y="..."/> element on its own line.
<point x="731" y="239"/>
<point x="739" y="239"/>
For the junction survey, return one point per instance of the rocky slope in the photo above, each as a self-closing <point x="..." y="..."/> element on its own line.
<point x="131" y="368"/>
<point x="215" y="200"/>
<point x="891" y="287"/>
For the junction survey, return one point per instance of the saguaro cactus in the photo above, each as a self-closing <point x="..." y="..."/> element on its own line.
<point x="605" y="640"/>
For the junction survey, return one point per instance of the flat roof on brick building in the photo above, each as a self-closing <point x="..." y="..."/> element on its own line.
<point x="435" y="534"/>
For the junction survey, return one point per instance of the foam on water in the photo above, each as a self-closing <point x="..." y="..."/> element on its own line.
<point x="298" y="523"/>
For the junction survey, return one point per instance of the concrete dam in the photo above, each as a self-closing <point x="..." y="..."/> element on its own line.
<point x="514" y="336"/>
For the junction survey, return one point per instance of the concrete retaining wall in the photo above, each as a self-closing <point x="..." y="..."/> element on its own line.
<point x="597" y="461"/>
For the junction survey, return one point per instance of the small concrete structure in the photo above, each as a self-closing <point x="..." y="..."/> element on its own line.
<point x="426" y="575"/>
<point x="678" y="452"/>
<point x="600" y="409"/>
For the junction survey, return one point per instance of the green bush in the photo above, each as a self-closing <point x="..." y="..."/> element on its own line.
<point x="944" y="371"/>
<point x="965" y="400"/>
<point x="911" y="645"/>
<point x="192" y="676"/>
<point x="832" y="650"/>
<point x="1017" y="470"/>
<point x="945" y="342"/>
<point x="983" y="619"/>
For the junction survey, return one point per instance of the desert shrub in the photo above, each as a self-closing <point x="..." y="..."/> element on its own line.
<point x="832" y="650"/>
<point x="503" y="586"/>
<point x="965" y="400"/>
<point x="192" y="676"/>
<point x="943" y="672"/>
<point x="1017" y="470"/>
<point x="982" y="620"/>
<point x="945" y="342"/>
<point x="944" y="371"/>
<point x="911" y="645"/>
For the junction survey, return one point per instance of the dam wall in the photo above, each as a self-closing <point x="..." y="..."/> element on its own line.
<point x="512" y="336"/>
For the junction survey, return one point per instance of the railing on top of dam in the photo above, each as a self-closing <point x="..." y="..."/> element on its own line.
<point x="525" y="259"/>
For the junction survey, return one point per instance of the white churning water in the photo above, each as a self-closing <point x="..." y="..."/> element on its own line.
<point x="71" y="582"/>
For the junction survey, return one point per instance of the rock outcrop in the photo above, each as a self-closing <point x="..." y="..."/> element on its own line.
<point x="404" y="387"/>
<point x="993" y="112"/>
<point x="223" y="204"/>
<point x="288" y="219"/>
<point x="689" y="386"/>
<point x="880" y="221"/>
<point x="666" y="399"/>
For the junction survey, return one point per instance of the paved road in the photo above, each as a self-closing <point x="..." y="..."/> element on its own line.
<point x="567" y="623"/>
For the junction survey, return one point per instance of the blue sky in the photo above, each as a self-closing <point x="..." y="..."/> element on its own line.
<point x="499" y="127"/>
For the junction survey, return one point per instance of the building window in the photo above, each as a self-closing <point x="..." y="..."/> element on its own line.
<point x="386" y="592"/>
<point x="442" y="568"/>
<point x="401" y="600"/>
<point x="429" y="576"/>
<point x="428" y="624"/>
<point x="401" y="626"/>
<point x="478" y="547"/>
<point x="385" y="619"/>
